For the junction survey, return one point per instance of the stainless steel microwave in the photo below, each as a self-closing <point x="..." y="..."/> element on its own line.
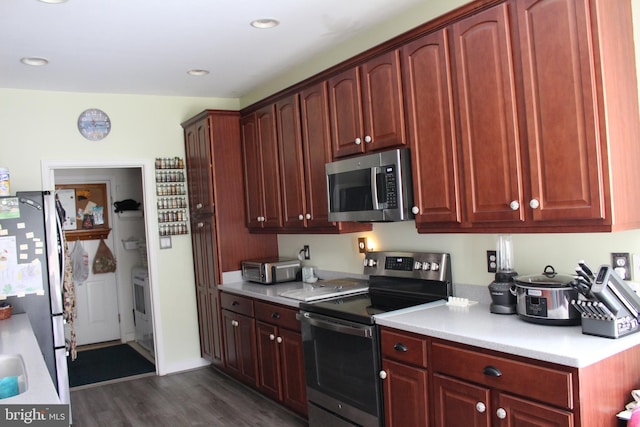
<point x="370" y="188"/>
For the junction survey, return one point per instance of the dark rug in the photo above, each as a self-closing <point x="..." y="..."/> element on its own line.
<point x="108" y="363"/>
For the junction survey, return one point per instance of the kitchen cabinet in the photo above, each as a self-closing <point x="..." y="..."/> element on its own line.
<point x="488" y="118"/>
<point x="261" y="169"/>
<point x="280" y="359"/>
<point x="405" y="379"/>
<point x="304" y="149"/>
<point x="428" y="97"/>
<point x="366" y="107"/>
<point x="551" y="159"/>
<point x="239" y="338"/>
<point x="473" y="388"/>
<point x="220" y="238"/>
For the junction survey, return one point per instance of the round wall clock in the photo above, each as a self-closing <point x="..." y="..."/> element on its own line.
<point x="94" y="124"/>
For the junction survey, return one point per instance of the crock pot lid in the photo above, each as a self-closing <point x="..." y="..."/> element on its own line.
<point x="548" y="278"/>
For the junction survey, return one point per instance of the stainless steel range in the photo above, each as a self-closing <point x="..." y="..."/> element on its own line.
<point x="341" y="339"/>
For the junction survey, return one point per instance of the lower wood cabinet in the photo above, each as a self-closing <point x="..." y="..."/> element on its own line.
<point x="239" y="333"/>
<point x="280" y="358"/>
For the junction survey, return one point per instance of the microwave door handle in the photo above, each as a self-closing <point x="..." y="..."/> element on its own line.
<point x="375" y="172"/>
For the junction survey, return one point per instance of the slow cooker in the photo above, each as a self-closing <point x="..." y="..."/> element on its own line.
<point x="546" y="298"/>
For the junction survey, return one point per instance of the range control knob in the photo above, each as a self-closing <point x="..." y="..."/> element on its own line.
<point x="426" y="266"/>
<point x="435" y="266"/>
<point x="417" y="265"/>
<point x="373" y="263"/>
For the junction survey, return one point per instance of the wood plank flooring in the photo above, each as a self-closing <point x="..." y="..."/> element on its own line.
<point x="201" y="397"/>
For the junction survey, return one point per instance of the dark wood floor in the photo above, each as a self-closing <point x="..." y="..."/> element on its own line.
<point x="202" y="397"/>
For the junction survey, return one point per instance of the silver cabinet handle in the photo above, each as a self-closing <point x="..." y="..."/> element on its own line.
<point x="368" y="139"/>
<point x="481" y="407"/>
<point x="415" y="210"/>
<point x="199" y="206"/>
<point x="272" y="337"/>
<point x="300" y="217"/>
<point x="308" y="216"/>
<point x="534" y="204"/>
<point x="200" y="225"/>
<point x="358" y="141"/>
<point x="514" y="205"/>
<point x="279" y="340"/>
<point x="234" y="323"/>
<point x="501" y="413"/>
<point x="382" y="375"/>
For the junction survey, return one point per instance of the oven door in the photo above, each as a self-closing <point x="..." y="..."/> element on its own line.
<point x="342" y="363"/>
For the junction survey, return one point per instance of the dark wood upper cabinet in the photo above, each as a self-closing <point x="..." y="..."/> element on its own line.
<point x="366" y="107"/>
<point x="428" y="96"/>
<point x="488" y="119"/>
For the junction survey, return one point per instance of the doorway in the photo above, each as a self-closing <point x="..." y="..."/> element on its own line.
<point x="127" y="240"/>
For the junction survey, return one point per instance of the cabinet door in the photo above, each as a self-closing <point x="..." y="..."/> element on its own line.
<point x="252" y="163"/>
<point x="205" y="267"/>
<point x="457" y="403"/>
<point x="198" y="162"/>
<point x="383" y="108"/>
<point x="240" y="348"/>
<point x="564" y="152"/>
<point x="316" y="143"/>
<point x="292" y="173"/>
<point x="268" y="360"/>
<point x="346" y="113"/>
<point x="405" y="391"/>
<point x="429" y="104"/>
<point x="513" y="411"/>
<point x="268" y="142"/>
<point x="294" y="384"/>
<point x="488" y="119"/>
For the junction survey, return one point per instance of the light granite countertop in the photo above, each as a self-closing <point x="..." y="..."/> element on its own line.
<point x="16" y="337"/>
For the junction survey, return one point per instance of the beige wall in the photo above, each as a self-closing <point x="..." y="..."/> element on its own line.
<point x="37" y="126"/>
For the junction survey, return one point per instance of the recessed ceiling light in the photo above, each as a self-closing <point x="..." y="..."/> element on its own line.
<point x="34" y="61"/>
<point x="53" y="1"/>
<point x="264" y="23"/>
<point x="197" y="72"/>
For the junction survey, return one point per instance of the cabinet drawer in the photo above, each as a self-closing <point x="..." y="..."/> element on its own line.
<point x="277" y="315"/>
<point x="404" y="347"/>
<point x="236" y="303"/>
<point x="536" y="382"/>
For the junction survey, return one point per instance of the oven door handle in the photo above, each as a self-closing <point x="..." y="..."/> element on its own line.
<point x="324" y="323"/>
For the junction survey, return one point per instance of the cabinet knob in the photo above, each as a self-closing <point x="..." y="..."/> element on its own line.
<point x="200" y="225"/>
<point x="308" y="216"/>
<point x="514" y="205"/>
<point x="501" y="413"/>
<point x="534" y="203"/>
<point x="275" y="315"/>
<point x="481" y="407"/>
<point x="400" y="347"/>
<point x="382" y="375"/>
<point x="279" y="340"/>
<point x="415" y="210"/>
<point x="358" y="141"/>
<point x="234" y="323"/>
<point x="368" y="139"/>
<point x="199" y="206"/>
<point x="272" y="337"/>
<point x="492" y="371"/>
<point x="300" y="217"/>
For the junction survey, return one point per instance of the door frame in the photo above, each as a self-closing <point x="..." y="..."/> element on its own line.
<point x="147" y="169"/>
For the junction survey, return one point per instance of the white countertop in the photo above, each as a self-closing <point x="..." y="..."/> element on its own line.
<point x="16" y="337"/>
<point x="476" y="325"/>
<point x="264" y="292"/>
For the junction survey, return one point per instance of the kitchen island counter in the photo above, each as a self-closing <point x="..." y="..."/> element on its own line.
<point x="477" y="326"/>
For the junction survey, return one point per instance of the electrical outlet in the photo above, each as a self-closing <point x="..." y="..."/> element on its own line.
<point x="621" y="263"/>
<point x="307" y="252"/>
<point x="492" y="261"/>
<point x="362" y="245"/>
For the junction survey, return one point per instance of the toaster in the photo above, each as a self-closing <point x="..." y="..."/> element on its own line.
<point x="271" y="270"/>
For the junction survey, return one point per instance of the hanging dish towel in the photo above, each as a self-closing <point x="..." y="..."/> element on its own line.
<point x="104" y="262"/>
<point x="69" y="296"/>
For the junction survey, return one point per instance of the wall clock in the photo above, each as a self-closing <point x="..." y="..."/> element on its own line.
<point x="94" y="124"/>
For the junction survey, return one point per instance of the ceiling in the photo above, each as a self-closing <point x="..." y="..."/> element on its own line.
<point x="147" y="47"/>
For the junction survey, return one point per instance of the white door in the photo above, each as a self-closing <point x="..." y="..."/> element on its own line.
<point x="97" y="317"/>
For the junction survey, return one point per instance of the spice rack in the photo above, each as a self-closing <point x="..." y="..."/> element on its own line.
<point x="171" y="192"/>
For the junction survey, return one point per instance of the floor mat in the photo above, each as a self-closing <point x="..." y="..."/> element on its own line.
<point x="107" y="363"/>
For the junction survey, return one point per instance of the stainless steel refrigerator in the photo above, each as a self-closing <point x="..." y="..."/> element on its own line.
<point x="31" y="243"/>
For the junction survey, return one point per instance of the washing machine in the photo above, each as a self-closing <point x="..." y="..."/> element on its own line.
<point x="142" y="308"/>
